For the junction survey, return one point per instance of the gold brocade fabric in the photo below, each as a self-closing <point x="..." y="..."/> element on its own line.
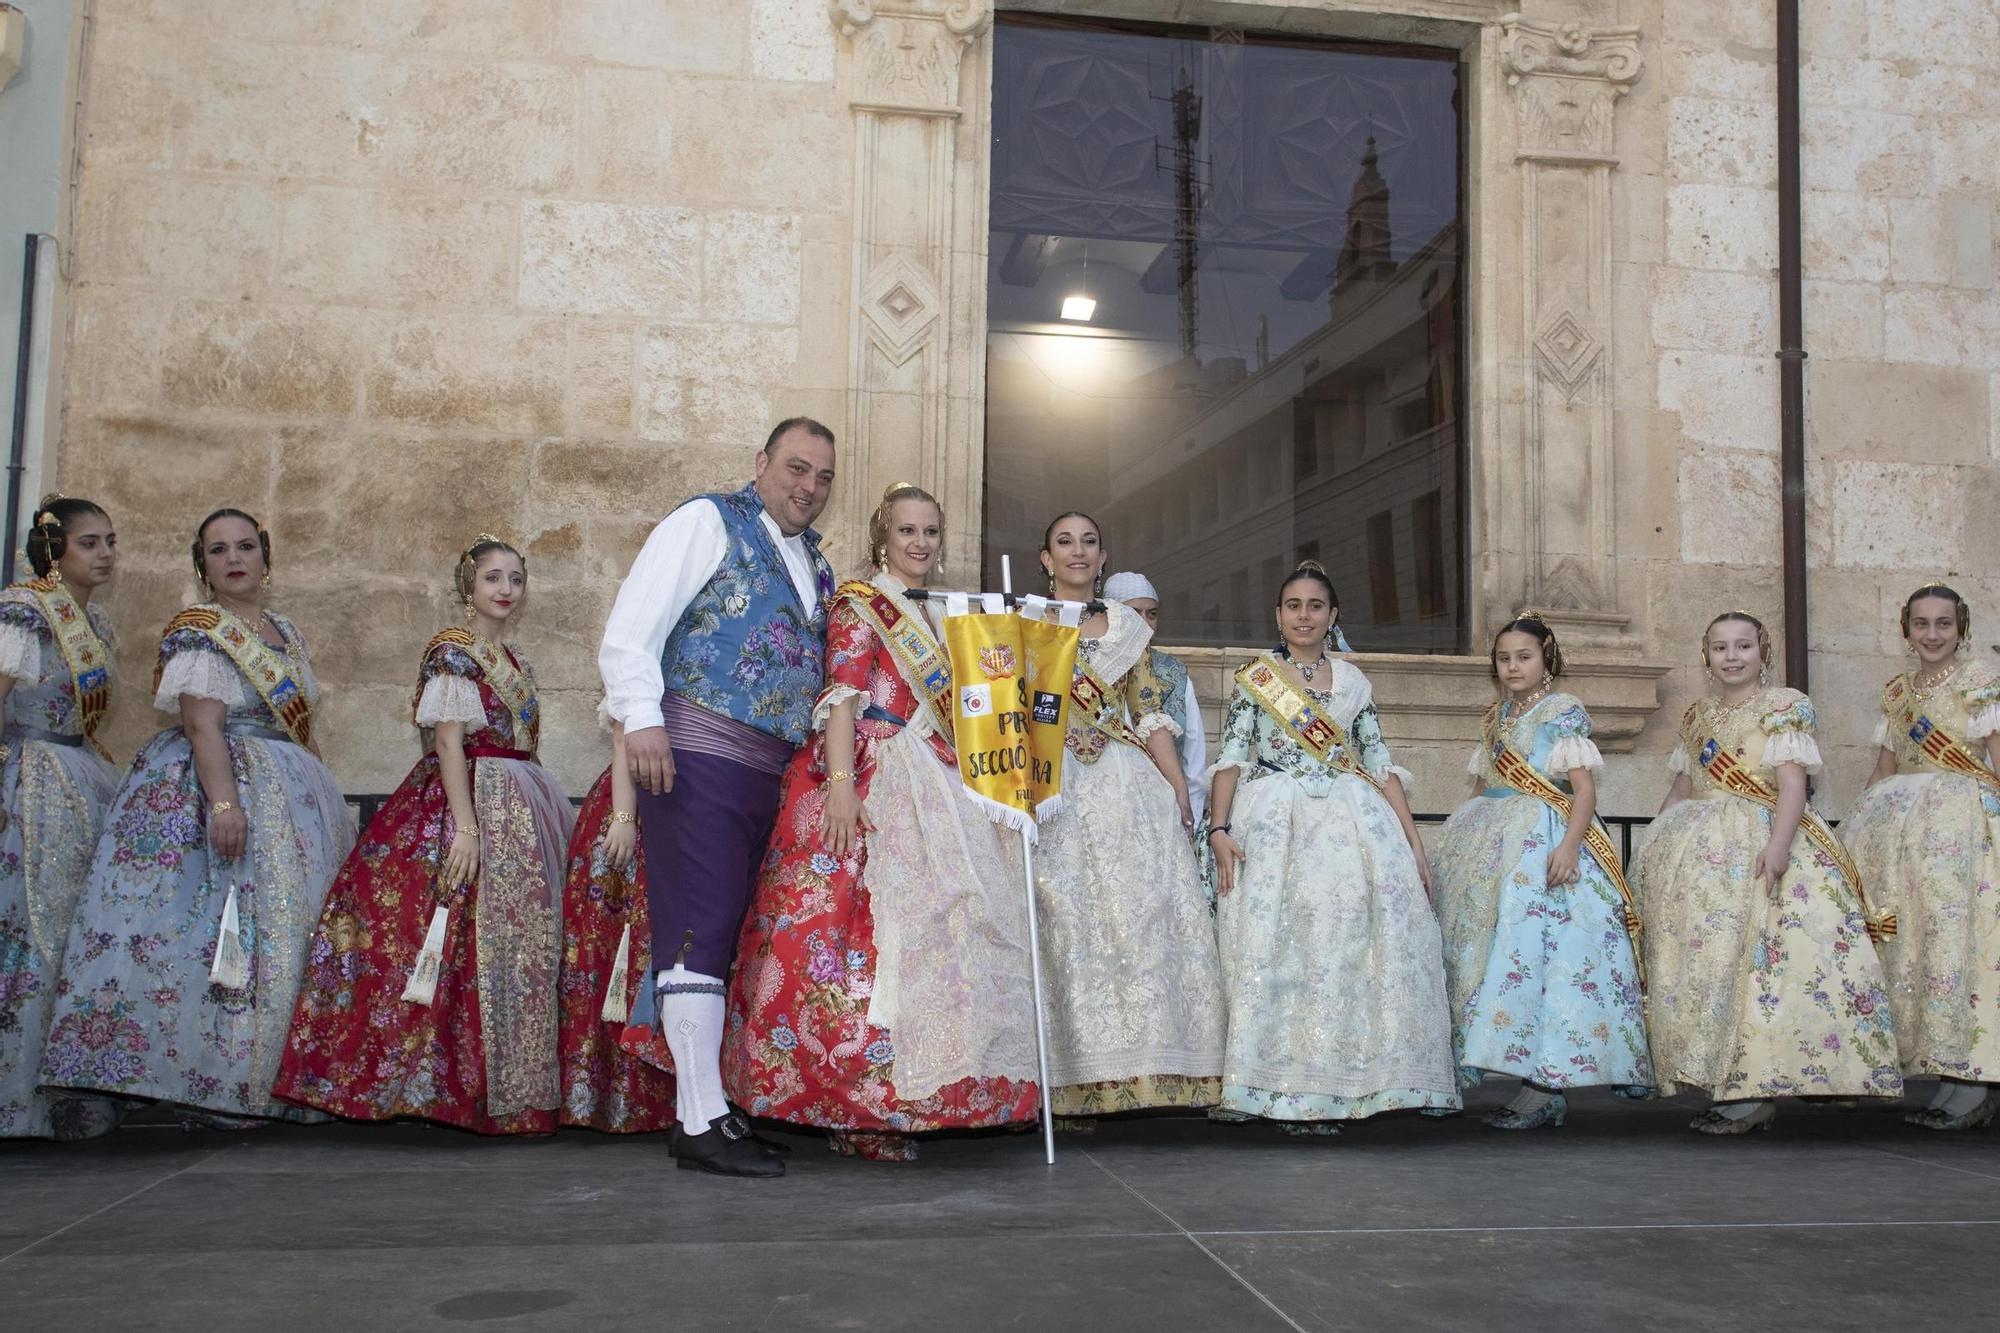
<point x="59" y="822"/>
<point x="518" y="920"/>
<point x="1135" y="1094"/>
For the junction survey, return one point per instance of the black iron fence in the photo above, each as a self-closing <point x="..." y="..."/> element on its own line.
<point x="1621" y="826"/>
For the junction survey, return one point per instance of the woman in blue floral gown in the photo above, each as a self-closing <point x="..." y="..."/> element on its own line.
<point x="56" y="650"/>
<point x="1539" y="957"/>
<point x="223" y="837"/>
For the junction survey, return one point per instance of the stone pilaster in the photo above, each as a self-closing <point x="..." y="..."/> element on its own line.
<point x="917" y="77"/>
<point x="1567" y="80"/>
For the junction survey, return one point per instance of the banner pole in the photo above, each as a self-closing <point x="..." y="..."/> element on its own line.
<point x="1035" y="950"/>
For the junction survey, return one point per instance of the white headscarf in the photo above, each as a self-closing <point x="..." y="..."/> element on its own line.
<point x="1124" y="587"/>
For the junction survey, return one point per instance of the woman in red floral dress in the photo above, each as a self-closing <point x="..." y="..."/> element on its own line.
<point x="882" y="984"/>
<point x="616" y="1073"/>
<point x="430" y="986"/>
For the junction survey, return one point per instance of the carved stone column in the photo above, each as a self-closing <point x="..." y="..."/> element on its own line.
<point x="916" y="75"/>
<point x="1568" y="79"/>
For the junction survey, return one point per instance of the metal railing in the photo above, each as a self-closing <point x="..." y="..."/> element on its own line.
<point x="366" y="805"/>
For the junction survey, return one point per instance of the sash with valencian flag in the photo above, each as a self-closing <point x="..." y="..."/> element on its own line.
<point x="502" y="675"/>
<point x="1316" y="733"/>
<point x="1723" y="770"/>
<point x="910" y="643"/>
<point x="1936" y="744"/>
<point x="88" y="660"/>
<point x="1008" y="679"/>
<point x="1515" y="770"/>
<point x="267" y="669"/>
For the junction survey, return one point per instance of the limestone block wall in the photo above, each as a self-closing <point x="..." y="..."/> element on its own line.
<point x="389" y="272"/>
<point x="1901" y="172"/>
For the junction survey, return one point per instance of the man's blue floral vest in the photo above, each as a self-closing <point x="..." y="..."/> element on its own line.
<point x="745" y="648"/>
<point x="1173" y="677"/>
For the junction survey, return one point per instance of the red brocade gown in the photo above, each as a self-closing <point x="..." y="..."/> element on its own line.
<point x="888" y="992"/>
<point x="605" y="1085"/>
<point x="482" y="1053"/>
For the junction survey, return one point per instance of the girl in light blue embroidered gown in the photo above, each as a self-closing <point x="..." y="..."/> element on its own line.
<point x="1331" y="962"/>
<point x="56" y="652"/>
<point x="222" y="838"/>
<point x="1539" y="955"/>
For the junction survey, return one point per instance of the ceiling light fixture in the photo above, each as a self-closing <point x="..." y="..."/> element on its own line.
<point x="1078" y="309"/>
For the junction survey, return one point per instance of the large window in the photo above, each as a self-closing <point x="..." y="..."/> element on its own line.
<point x="1223" y="318"/>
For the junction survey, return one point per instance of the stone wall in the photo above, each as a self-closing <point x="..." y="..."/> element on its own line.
<point x="389" y="272"/>
<point x="386" y="272"/>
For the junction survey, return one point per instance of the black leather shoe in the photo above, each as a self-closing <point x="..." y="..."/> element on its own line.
<point x="771" y="1146"/>
<point x="725" y="1148"/>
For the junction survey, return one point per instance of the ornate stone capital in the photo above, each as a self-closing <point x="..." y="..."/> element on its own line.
<point x="908" y="57"/>
<point x="1570" y="77"/>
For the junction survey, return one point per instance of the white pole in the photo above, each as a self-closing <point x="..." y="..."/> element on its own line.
<point x="1035" y="949"/>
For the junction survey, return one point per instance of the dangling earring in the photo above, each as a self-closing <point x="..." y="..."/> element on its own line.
<point x="1910" y="647"/>
<point x="267" y="580"/>
<point x="1708" y="671"/>
<point x="467" y="601"/>
<point x="1052" y="584"/>
<point x="1097" y="588"/>
<point x="1548" y="678"/>
<point x="1763" y="675"/>
<point x="1962" y="649"/>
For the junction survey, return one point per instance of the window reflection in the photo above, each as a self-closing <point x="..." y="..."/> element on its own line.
<point x="1223" y="297"/>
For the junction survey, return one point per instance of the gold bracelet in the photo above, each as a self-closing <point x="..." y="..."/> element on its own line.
<point x="221" y="807"/>
<point x="842" y="776"/>
<point x="623" y="817"/>
<point x="471" y="833"/>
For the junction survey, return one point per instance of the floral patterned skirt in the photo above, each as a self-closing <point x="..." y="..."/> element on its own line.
<point x="1331" y="959"/>
<point x="56" y="796"/>
<point x="136" y="1013"/>
<point x="920" y="935"/>
<point x="1928" y="848"/>
<point x="1542" y="979"/>
<point x="605" y="1086"/>
<point x="1751" y="994"/>
<point x="482" y="1054"/>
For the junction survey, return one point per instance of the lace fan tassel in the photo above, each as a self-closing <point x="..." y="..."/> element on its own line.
<point x="616" y="1008"/>
<point x="422" y="987"/>
<point x="231" y="968"/>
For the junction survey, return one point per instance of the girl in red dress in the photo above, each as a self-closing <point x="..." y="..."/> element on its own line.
<point x="616" y="1073"/>
<point x="430" y="986"/>
<point x="882" y="983"/>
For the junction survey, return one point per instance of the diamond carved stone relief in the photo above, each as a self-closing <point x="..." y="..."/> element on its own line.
<point x="1568" y="353"/>
<point x="900" y="302"/>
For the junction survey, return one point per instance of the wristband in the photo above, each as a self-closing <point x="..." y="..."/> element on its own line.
<point x="623" y="817"/>
<point x="221" y="807"/>
<point x="842" y="776"/>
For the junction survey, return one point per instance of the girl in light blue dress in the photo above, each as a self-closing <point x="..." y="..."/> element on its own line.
<point x="1538" y="928"/>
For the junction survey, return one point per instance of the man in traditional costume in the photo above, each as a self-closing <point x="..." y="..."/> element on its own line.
<point x="712" y="660"/>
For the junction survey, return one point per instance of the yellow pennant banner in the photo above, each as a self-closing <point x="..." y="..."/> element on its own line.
<point x="1051" y="653"/>
<point x="1010" y="695"/>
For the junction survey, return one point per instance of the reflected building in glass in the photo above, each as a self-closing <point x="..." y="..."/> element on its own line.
<point x="1223" y="318"/>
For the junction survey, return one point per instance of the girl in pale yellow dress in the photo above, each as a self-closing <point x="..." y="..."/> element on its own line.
<point x="1763" y="981"/>
<point x="1926" y="835"/>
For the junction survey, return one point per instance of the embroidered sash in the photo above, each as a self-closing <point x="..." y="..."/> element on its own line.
<point x="1103" y="707"/>
<point x="85" y="654"/>
<point x="1515" y="770"/>
<point x="910" y="642"/>
<point x="1939" y="746"/>
<point x="1723" y="770"/>
<point x="506" y="679"/>
<point x="1315" y="732"/>
<point x="268" y="670"/>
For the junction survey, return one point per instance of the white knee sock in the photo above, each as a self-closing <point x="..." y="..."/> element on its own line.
<point x="1963" y="1098"/>
<point x="691" y="1013"/>
<point x="1529" y="1100"/>
<point x="1739" y="1110"/>
<point x="1942" y="1095"/>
